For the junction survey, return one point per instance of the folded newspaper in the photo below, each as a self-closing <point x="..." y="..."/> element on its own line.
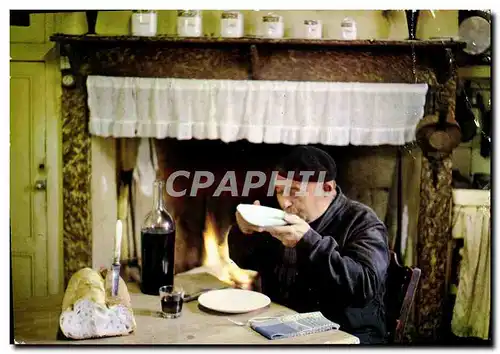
<point x="293" y="325"/>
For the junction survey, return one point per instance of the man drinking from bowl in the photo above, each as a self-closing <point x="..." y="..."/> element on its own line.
<point x="332" y="256"/>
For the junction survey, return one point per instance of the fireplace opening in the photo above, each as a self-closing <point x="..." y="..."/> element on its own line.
<point x="204" y="216"/>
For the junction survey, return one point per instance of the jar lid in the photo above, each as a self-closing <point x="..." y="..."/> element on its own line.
<point x="311" y="22"/>
<point x="230" y="15"/>
<point x="348" y="22"/>
<point x="188" y="13"/>
<point x="271" y="18"/>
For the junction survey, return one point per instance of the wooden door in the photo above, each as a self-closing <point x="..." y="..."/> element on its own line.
<point x="28" y="196"/>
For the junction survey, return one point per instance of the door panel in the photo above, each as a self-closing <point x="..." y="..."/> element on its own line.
<point x="34" y="33"/>
<point x="28" y="205"/>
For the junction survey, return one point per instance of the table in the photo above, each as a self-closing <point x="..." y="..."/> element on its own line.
<point x="36" y="321"/>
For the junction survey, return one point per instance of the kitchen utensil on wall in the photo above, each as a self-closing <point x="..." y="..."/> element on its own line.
<point x="464" y="114"/>
<point x="438" y="134"/>
<point x="475" y="30"/>
<point x="485" y="145"/>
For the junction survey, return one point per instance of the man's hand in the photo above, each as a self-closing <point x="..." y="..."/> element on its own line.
<point x="291" y="234"/>
<point x="245" y="226"/>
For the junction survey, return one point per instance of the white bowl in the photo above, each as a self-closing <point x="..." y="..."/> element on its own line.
<point x="262" y="216"/>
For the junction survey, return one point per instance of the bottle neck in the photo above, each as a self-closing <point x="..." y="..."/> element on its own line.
<point x="158" y="193"/>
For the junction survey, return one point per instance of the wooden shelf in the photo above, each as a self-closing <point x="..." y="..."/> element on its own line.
<point x="475" y="72"/>
<point x="167" y="39"/>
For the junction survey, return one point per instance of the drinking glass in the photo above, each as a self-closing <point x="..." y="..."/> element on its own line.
<point x="171" y="298"/>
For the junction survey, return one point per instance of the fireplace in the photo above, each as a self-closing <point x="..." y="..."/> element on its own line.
<point x="260" y="60"/>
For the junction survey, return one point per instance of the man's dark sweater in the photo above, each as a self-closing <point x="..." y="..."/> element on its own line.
<point x="339" y="267"/>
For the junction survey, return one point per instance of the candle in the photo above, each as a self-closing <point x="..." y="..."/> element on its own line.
<point x="118" y="240"/>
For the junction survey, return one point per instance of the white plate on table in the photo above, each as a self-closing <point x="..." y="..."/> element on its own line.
<point x="233" y="300"/>
<point x="262" y="216"/>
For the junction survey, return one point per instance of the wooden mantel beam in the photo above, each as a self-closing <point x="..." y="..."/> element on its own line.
<point x="285" y="42"/>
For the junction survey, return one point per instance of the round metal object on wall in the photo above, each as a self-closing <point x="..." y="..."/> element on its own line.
<point x="476" y="32"/>
<point x="433" y="138"/>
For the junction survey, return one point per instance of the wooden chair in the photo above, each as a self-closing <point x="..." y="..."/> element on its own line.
<point x="401" y="288"/>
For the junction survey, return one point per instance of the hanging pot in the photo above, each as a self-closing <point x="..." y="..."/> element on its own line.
<point x="435" y="135"/>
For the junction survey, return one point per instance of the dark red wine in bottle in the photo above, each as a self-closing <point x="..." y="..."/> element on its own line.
<point x="157" y="245"/>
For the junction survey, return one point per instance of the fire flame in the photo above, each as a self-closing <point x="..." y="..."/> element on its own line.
<point x="216" y="257"/>
<point x="211" y="255"/>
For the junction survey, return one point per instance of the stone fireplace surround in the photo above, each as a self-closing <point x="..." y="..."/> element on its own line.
<point x="256" y="59"/>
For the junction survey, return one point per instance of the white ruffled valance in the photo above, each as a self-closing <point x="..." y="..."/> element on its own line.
<point x="288" y="112"/>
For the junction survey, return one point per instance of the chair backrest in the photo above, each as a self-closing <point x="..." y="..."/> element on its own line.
<point x="402" y="282"/>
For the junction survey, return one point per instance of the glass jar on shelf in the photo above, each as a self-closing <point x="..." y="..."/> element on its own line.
<point x="312" y="29"/>
<point x="272" y="26"/>
<point x="348" y="29"/>
<point x="231" y="24"/>
<point x="189" y="23"/>
<point x="144" y="23"/>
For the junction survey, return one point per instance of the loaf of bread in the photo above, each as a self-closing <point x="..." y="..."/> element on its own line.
<point x="88" y="313"/>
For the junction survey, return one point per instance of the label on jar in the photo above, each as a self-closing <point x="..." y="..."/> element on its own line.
<point x="188" y="13"/>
